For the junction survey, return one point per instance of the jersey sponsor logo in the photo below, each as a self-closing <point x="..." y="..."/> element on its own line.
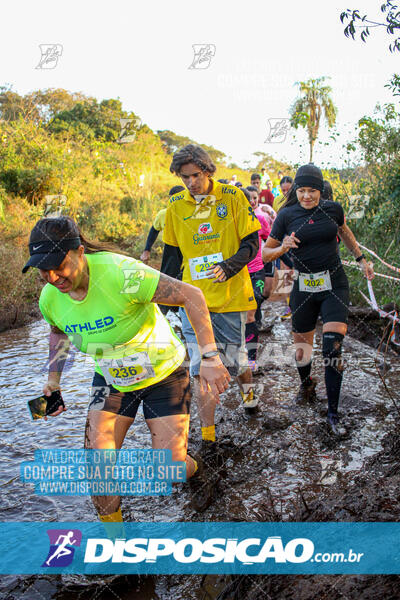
<point x="251" y="214"/>
<point x="222" y="210"/>
<point x="89" y="325"/>
<point x="229" y="190"/>
<point x="205" y="228"/>
<point x="175" y="198"/>
<point x="198" y="239"/>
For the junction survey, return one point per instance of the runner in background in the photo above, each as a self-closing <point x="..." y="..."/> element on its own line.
<point x="264" y="178"/>
<point x="265" y="196"/>
<point x="307" y="226"/>
<point x="106" y="305"/>
<point x="257" y="275"/>
<point x="276" y="190"/>
<point x="285" y="185"/>
<point x="284" y="261"/>
<point x="268" y="214"/>
<point x="158" y="225"/>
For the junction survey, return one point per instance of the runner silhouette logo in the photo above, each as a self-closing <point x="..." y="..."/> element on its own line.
<point x="62" y="547"/>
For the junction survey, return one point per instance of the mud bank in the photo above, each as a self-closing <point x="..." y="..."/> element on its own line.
<point x="19" y="315"/>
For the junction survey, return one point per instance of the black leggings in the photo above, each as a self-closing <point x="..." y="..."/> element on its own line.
<point x="332" y="305"/>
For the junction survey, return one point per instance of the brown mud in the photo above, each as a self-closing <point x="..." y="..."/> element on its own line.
<point x="281" y="464"/>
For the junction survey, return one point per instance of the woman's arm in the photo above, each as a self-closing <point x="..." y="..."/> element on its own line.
<point x="273" y="249"/>
<point x="347" y="236"/>
<point x="58" y="353"/>
<point x="173" y="292"/>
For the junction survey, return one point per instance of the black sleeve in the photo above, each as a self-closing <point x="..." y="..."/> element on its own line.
<point x="278" y="230"/>
<point x="247" y="251"/>
<point x="151" y="238"/>
<point x="340" y="214"/>
<point x="171" y="261"/>
<point x="285" y="258"/>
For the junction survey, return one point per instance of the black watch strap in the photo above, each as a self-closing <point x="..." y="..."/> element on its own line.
<point x="210" y="354"/>
<point x="360" y="258"/>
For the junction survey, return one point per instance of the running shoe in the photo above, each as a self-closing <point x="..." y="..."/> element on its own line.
<point x="306" y="393"/>
<point x="335" y="427"/>
<point x="203" y="484"/>
<point x="287" y="314"/>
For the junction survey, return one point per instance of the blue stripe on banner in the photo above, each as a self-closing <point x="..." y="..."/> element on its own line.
<point x="199" y="548"/>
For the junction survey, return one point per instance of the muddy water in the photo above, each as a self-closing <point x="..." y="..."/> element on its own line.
<point x="268" y="457"/>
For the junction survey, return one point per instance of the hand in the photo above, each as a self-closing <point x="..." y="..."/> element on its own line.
<point x="266" y="208"/>
<point x="50" y="387"/>
<point x="368" y="269"/>
<point x="144" y="257"/>
<point x="214" y="377"/>
<point x="216" y="272"/>
<point x="290" y="241"/>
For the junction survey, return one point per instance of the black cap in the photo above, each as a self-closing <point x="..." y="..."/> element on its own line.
<point x="309" y="176"/>
<point x="50" y="241"/>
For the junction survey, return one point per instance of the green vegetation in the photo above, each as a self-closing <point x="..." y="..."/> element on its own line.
<point x="53" y="142"/>
<point x="391" y="14"/>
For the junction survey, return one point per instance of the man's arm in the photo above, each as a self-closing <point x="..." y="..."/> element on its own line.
<point x="247" y="251"/>
<point x="173" y="292"/>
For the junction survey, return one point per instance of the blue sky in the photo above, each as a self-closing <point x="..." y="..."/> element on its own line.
<point x="141" y="52"/>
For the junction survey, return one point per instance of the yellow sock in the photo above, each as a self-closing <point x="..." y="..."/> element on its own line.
<point x="113" y="524"/>
<point x="208" y="433"/>
<point x="115" y="517"/>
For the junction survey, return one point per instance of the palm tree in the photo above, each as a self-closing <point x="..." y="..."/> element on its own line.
<point x="314" y="101"/>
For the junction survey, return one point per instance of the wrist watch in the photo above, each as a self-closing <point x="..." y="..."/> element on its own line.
<point x="210" y="354"/>
<point x="359" y="258"/>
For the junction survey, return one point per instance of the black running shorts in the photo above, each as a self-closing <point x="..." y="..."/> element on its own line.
<point x="332" y="305"/>
<point x="171" y="396"/>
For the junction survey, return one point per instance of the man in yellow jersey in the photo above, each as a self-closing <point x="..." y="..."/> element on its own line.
<point x="158" y="225"/>
<point x="211" y="229"/>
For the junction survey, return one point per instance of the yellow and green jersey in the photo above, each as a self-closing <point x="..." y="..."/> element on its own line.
<point x="159" y="220"/>
<point x="132" y="343"/>
<point x="210" y="231"/>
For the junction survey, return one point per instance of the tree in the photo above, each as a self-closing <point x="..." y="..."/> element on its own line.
<point x="307" y="110"/>
<point x="38" y="106"/>
<point x="392" y="23"/>
<point x="173" y="142"/>
<point x="91" y="119"/>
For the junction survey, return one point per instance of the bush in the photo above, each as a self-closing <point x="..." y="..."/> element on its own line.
<point x="31" y="183"/>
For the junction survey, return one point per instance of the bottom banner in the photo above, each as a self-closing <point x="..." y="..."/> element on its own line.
<point x="200" y="548"/>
